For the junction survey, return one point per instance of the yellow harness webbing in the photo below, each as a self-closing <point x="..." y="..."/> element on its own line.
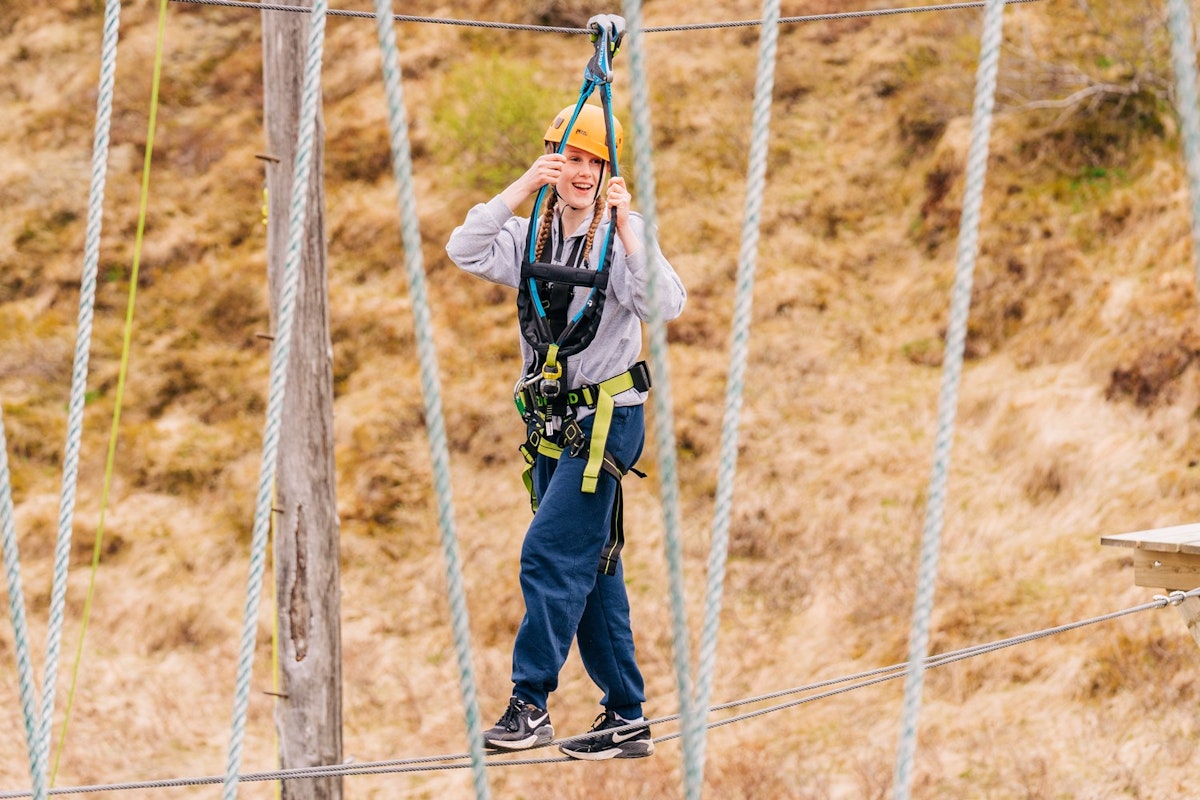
<point x="598" y="456"/>
<point x="599" y="459"/>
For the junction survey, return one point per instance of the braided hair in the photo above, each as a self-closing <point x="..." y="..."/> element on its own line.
<point x="597" y="212"/>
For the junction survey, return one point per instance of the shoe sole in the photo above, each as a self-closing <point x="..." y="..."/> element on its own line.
<point x="629" y="750"/>
<point x="543" y="735"/>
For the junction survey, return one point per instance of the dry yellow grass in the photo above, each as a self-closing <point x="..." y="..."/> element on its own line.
<point x="1077" y="415"/>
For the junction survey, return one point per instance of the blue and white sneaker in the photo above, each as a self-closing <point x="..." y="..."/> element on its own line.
<point x="521" y="727"/>
<point x="631" y="743"/>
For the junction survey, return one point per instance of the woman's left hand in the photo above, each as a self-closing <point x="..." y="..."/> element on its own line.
<point x="619" y="198"/>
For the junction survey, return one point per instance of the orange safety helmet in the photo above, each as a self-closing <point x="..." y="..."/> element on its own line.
<point x="589" y="131"/>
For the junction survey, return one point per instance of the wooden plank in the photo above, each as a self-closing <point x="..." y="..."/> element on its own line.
<point x="1169" y="571"/>
<point x="1176" y="539"/>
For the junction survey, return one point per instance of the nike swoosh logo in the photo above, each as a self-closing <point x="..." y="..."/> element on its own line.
<point x="621" y="737"/>
<point x="534" y="723"/>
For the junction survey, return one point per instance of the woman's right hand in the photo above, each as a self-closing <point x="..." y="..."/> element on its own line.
<point x="546" y="170"/>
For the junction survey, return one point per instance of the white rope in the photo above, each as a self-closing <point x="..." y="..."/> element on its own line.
<point x="427" y="355"/>
<point x="735" y="385"/>
<point x="16" y="608"/>
<point x="664" y="419"/>
<point x="281" y="349"/>
<point x="1183" y="60"/>
<point x="87" y="299"/>
<point x="960" y="305"/>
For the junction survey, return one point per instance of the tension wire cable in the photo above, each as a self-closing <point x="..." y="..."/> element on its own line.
<point x="697" y="26"/>
<point x="856" y="681"/>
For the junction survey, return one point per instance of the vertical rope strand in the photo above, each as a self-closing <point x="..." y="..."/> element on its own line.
<point x="739" y="350"/>
<point x="87" y="299"/>
<point x="956" y="337"/>
<point x="281" y="350"/>
<point x="427" y="356"/>
<point x="16" y="608"/>
<point x="123" y="370"/>
<point x="1183" y="60"/>
<point x="664" y="420"/>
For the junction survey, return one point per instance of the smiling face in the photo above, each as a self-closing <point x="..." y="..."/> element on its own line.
<point x="580" y="179"/>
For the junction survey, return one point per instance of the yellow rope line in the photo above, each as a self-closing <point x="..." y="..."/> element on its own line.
<point x="125" y="347"/>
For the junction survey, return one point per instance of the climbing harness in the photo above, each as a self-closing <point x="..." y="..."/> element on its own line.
<point x="549" y="345"/>
<point x="545" y="291"/>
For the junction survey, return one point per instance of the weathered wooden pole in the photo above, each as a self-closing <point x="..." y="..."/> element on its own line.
<point x="308" y="715"/>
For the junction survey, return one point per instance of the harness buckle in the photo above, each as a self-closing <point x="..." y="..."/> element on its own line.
<point x="551" y="387"/>
<point x="573" y="438"/>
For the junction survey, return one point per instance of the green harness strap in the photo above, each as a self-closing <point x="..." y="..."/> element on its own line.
<point x="598" y="458"/>
<point x="597" y="455"/>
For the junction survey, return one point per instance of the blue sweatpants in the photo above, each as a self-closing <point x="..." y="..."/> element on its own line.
<point x="566" y="597"/>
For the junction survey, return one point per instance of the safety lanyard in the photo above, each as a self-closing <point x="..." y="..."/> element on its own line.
<point x="608" y="30"/>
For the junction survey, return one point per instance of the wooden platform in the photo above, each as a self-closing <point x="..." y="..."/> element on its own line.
<point x="1163" y="558"/>
<point x="1167" y="558"/>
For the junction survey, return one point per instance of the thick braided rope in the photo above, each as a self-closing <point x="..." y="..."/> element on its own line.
<point x="968" y="251"/>
<point x="16" y="608"/>
<point x="1183" y="59"/>
<point x="427" y="356"/>
<point x="664" y="419"/>
<point x="739" y="349"/>
<point x="87" y="298"/>
<point x="281" y="349"/>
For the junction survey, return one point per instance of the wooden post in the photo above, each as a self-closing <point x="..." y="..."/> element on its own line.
<point x="1167" y="558"/>
<point x="1190" y="608"/>
<point x="308" y="716"/>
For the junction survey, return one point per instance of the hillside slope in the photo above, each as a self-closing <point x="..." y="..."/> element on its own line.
<point x="1077" y="415"/>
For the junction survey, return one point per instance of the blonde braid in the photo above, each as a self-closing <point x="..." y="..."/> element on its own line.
<point x="597" y="212"/>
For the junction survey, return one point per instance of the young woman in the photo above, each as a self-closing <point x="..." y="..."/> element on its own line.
<point x="582" y="298"/>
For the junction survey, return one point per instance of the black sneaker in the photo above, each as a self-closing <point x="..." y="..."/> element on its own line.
<point x="521" y="727"/>
<point x="631" y="743"/>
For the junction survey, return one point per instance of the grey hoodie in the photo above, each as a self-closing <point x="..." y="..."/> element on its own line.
<point x="491" y="242"/>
